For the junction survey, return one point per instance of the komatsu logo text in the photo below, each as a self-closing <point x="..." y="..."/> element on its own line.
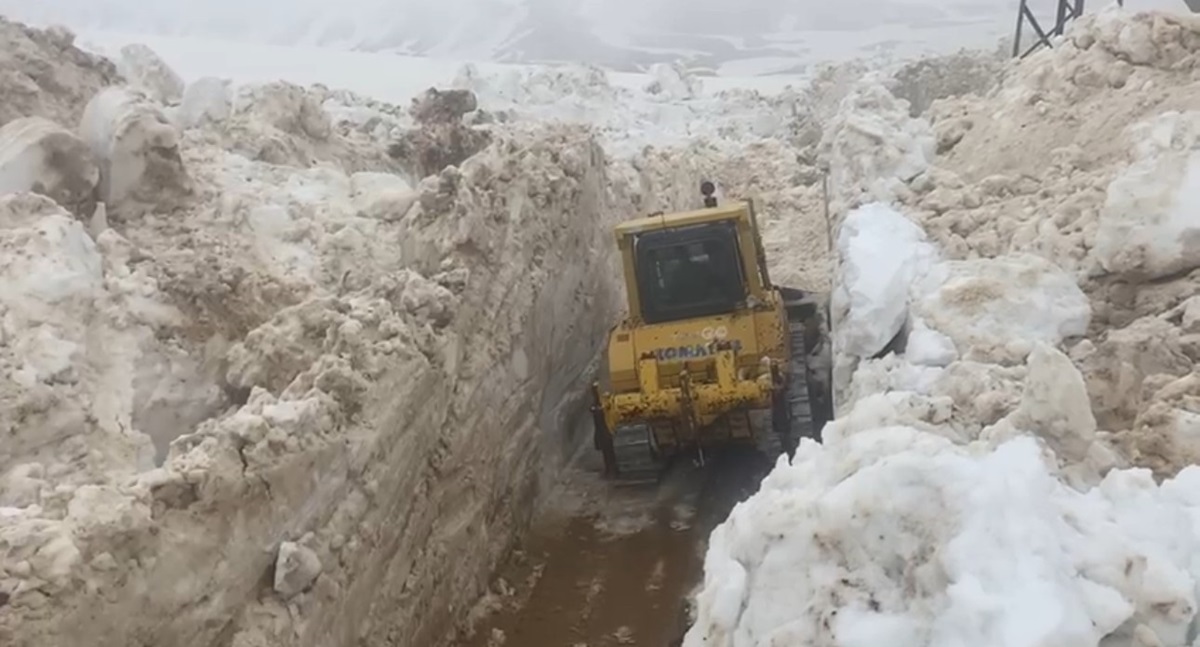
<point x="691" y="351"/>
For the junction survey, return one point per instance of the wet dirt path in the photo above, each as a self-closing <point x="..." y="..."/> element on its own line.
<point x="618" y="570"/>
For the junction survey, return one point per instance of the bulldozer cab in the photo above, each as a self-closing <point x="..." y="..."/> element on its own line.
<point x="693" y="272"/>
<point x="692" y="264"/>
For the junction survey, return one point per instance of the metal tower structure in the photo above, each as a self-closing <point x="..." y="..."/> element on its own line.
<point x="1067" y="11"/>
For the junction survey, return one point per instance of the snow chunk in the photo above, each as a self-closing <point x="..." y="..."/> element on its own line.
<point x="296" y="568"/>
<point x="40" y="156"/>
<point x="839" y="548"/>
<point x="873" y="146"/>
<point x="138" y="150"/>
<point x="672" y="81"/>
<point x="1150" y="224"/>
<point x="882" y="253"/>
<point x="382" y="196"/>
<point x="285" y="106"/>
<point x="48" y="261"/>
<point x="1055" y="405"/>
<point x="144" y="69"/>
<point x="928" y="347"/>
<point x="1001" y="305"/>
<point x="205" y="100"/>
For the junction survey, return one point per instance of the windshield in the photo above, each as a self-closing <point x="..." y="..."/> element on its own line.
<point x="691" y="276"/>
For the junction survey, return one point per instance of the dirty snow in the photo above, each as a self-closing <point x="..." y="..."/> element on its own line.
<point x="226" y="370"/>
<point x="1018" y="467"/>
<point x="294" y="304"/>
<point x="309" y="357"/>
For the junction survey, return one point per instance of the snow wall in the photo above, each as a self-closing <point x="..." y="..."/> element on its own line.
<point x="1016" y="300"/>
<point x="269" y="379"/>
<point x="290" y="366"/>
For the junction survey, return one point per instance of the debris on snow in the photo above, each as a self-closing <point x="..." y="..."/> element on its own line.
<point x="442" y="139"/>
<point x="926" y="80"/>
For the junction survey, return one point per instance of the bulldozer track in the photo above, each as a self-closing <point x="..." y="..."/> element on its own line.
<point x="637" y="459"/>
<point x="784" y="425"/>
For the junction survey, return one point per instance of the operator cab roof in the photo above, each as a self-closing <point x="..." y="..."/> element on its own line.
<point x="728" y="211"/>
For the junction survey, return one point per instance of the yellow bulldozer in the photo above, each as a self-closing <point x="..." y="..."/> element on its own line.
<point x="711" y="353"/>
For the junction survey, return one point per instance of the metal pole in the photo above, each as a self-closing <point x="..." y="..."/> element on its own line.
<point x="1020" y="23"/>
<point x="1060" y="21"/>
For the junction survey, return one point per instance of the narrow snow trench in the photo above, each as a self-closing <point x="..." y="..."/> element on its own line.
<point x="611" y="566"/>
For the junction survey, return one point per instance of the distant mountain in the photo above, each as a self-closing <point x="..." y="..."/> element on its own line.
<point x="623" y="34"/>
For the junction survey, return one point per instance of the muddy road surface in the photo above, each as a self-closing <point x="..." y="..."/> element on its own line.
<point x="614" y="565"/>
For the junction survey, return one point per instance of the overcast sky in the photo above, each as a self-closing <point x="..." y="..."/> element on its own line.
<point x="611" y="32"/>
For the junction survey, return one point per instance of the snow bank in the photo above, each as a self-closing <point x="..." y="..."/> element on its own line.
<point x="257" y="377"/>
<point x="1018" y="468"/>
<point x="896" y="535"/>
<point x="276" y="365"/>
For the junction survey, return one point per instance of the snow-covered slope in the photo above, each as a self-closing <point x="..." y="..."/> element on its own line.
<point x="750" y="37"/>
<point x="1019" y="467"/>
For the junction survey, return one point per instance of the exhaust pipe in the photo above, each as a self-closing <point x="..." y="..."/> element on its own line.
<point x="707" y="190"/>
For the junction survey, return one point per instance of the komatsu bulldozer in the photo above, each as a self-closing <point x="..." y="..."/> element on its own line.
<point x="710" y="352"/>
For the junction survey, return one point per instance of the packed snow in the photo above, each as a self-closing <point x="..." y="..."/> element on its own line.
<point x="289" y="365"/>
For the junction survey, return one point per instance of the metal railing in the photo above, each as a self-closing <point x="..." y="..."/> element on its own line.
<point x="1067" y="11"/>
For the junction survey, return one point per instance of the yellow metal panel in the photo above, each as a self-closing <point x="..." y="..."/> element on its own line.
<point x="732" y="210"/>
<point x="622" y="362"/>
<point x="648" y="376"/>
<point x="725" y="370"/>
